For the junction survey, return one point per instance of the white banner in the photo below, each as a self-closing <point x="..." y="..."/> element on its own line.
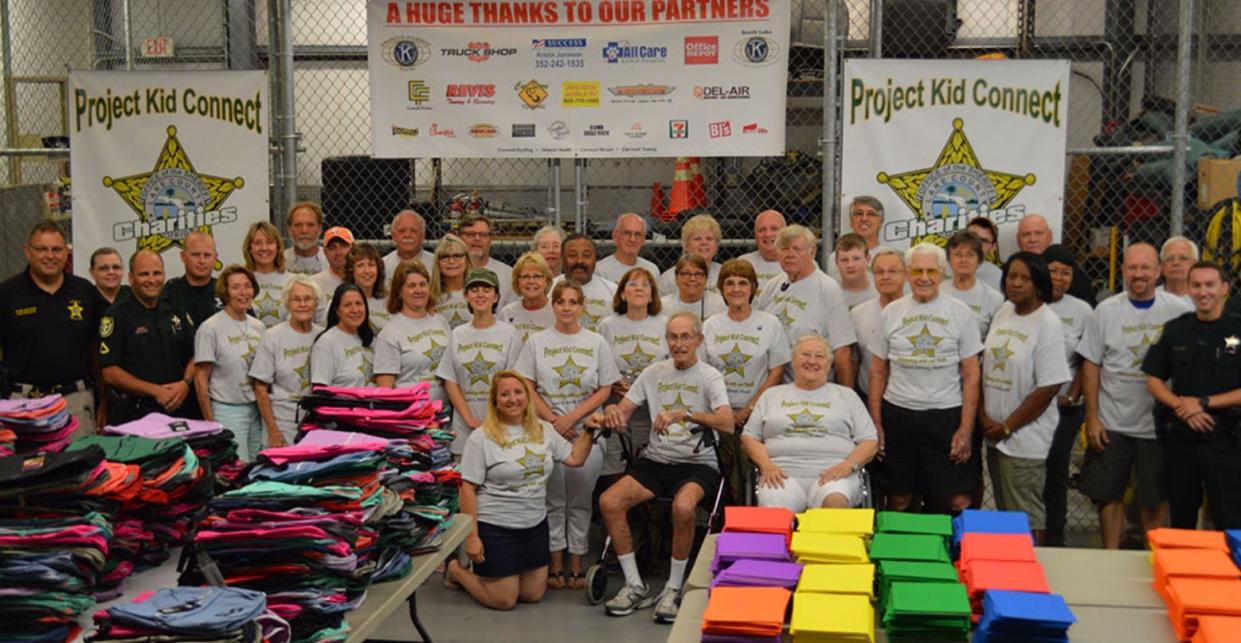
<point x="940" y="142"/>
<point x="578" y="78"/>
<point x="158" y="155"/>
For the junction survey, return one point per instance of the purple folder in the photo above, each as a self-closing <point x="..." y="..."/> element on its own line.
<point x="759" y="573"/>
<point x="734" y="546"/>
<point x="158" y="426"/>
<point x="734" y="638"/>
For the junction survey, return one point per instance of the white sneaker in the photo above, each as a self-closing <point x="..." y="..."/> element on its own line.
<point x="667" y="605"/>
<point x="627" y="600"/>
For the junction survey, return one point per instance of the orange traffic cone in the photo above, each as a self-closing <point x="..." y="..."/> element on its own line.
<point x="681" y="180"/>
<point x="658" y="211"/>
<point x="698" y="185"/>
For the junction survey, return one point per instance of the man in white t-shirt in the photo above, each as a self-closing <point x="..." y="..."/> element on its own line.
<point x="409" y="231"/>
<point x="679" y="392"/>
<point x="766" y="260"/>
<point x="629" y="235"/>
<point x="578" y="253"/>
<point x="1120" y="428"/>
<point x="888" y="271"/>
<point x="475" y="231"/>
<point x="1176" y="256"/>
<point x="865" y="219"/>
<point x="807" y="301"/>
<point x="337" y="242"/>
<point x="304" y="255"/>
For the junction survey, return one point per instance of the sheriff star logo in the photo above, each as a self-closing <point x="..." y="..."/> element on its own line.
<point x="637" y="359"/>
<point x="734" y="361"/>
<point x="676" y="404"/>
<point x="1139" y="349"/>
<point x="531" y="464"/>
<point x="172" y="198"/>
<point x="1001" y="354"/>
<point x="570" y="373"/>
<point x="303" y="374"/>
<point x="434" y="353"/>
<point x="267" y="305"/>
<point x="364" y="366"/>
<point x="785" y="318"/>
<point x="956" y="185"/>
<point x="75" y="310"/>
<point x="804" y="419"/>
<point x="924" y="342"/>
<point x="479" y="369"/>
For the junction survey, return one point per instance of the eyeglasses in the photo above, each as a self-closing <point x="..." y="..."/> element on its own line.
<point x="868" y="214"/>
<point x="924" y="272"/>
<point x="455" y="255"/>
<point x="478" y="234"/>
<point x="679" y="339"/>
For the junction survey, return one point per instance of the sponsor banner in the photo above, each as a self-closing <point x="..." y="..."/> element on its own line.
<point x="158" y="155"/>
<point x="577" y="78"/>
<point x="941" y="142"/>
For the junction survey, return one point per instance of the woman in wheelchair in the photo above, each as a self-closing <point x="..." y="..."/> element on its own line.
<point x="504" y="473"/>
<point x="810" y="439"/>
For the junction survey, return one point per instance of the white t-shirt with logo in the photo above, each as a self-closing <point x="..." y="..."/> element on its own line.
<point x="613" y="270"/>
<point x="392" y="260"/>
<point x="925" y="344"/>
<point x="229" y="345"/>
<point x="813" y="304"/>
<point x="635" y="344"/>
<point x="1022" y="353"/>
<point x="411" y="349"/>
<point x="453" y="307"/>
<point x="982" y="299"/>
<point x="663" y="387"/>
<point x="567" y="369"/>
<point x="745" y="351"/>
<point x="340" y="359"/>
<point x="377" y="307"/>
<point x="807" y="432"/>
<point x="1117" y="336"/>
<point x="296" y="263"/>
<point x="710" y="304"/>
<point x="668" y="280"/>
<point x="1185" y="298"/>
<point x="867" y="327"/>
<point x="527" y="322"/>
<point x="1073" y="314"/>
<point x="474" y="356"/>
<point x="504" y="273"/>
<point x="268" y="304"/>
<point x="990" y="274"/>
<point x="853" y="298"/>
<point x="597" y="297"/>
<point x="283" y="362"/>
<point x="763" y="269"/>
<point x="512" y="477"/>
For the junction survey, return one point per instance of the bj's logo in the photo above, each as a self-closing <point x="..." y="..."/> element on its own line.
<point x="470" y="94"/>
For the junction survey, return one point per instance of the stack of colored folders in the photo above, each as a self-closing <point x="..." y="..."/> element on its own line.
<point x="999" y="561"/>
<point x="758" y="573"/>
<point x="1019" y="617"/>
<point x="739" y="614"/>
<point x="926" y="611"/>
<point x="834" y="618"/>
<point x="1195" y="575"/>
<point x="832" y="602"/>
<point x="988" y="522"/>
<point x="48" y="569"/>
<point x="733" y="546"/>
<point x="1218" y="629"/>
<point x="211" y="442"/>
<point x="191" y="614"/>
<point x="760" y="520"/>
<point x="831" y="536"/>
<point x="919" y="594"/>
<point x="39" y="425"/>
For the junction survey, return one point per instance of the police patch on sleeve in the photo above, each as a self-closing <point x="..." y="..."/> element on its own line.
<point x="106" y="326"/>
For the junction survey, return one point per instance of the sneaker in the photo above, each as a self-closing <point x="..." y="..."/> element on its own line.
<point x="666" y="605"/>
<point x="628" y="599"/>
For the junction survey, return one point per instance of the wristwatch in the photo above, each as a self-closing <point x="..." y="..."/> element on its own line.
<point x="1205" y="402"/>
<point x="853" y="465"/>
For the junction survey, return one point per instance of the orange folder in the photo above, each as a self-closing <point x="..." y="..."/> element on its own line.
<point x="1167" y="538"/>
<point x="1198" y="563"/>
<point x="1218" y="629"/>
<point x="763" y="520"/>
<point x="1007" y="547"/>
<point x="746" y="611"/>
<point x="1192" y="598"/>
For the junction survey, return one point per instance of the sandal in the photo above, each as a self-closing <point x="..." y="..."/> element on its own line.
<point x="577" y="580"/>
<point x="555" y="580"/>
<point x="448" y="581"/>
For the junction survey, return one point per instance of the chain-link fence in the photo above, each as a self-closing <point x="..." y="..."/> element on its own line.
<point x="1122" y="180"/>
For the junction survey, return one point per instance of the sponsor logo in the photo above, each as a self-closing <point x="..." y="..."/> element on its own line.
<point x="407" y="132"/>
<point x="436" y="130"/>
<point x="678" y="129"/>
<point x="596" y="130"/>
<point x="756" y="51"/>
<point x="405" y="52"/>
<point x="523" y="130"/>
<point x="630" y="91"/>
<point x="558" y="43"/>
<point x="717" y="92"/>
<point x="579" y="93"/>
<point x="532" y="93"/>
<point x="419" y="93"/>
<point x="753" y="128"/>
<point x="483" y="130"/>
<point x="470" y="94"/>
<point x="478" y="51"/>
<point x="635" y="131"/>
<point x="624" y="52"/>
<point x="173" y="200"/>
<point x="558" y="130"/>
<point x="702" y="50"/>
<point x="720" y="129"/>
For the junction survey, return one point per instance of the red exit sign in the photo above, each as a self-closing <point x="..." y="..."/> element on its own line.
<point x="157" y="47"/>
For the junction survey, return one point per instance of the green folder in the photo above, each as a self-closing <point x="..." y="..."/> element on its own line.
<point x="907" y="523"/>
<point x="914" y="547"/>
<point x="927" y="611"/>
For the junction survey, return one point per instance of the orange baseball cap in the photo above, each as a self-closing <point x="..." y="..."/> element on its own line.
<point x="340" y="233"/>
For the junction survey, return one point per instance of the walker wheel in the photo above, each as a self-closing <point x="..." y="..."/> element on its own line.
<point x="596" y="584"/>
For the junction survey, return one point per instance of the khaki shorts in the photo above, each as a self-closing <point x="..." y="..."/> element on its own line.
<point x="1017" y="484"/>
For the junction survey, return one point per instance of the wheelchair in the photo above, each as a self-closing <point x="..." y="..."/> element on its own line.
<point x="597" y="573"/>
<point x="754" y="479"/>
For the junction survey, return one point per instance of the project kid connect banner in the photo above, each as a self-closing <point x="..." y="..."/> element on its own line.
<point x="940" y="142"/>
<point x="578" y="78"/>
<point x="158" y="155"/>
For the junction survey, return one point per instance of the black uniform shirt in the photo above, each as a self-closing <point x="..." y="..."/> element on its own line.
<point x="1201" y="358"/>
<point x="152" y="344"/>
<point x="48" y="337"/>
<point x="199" y="302"/>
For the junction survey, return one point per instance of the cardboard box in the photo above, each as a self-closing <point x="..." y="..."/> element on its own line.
<point x="1217" y="180"/>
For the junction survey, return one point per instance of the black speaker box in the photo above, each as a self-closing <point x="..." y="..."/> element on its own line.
<point x="364" y="193"/>
<point x="919" y="28"/>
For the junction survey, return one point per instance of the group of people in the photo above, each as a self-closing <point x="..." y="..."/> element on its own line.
<point x="915" y="365"/>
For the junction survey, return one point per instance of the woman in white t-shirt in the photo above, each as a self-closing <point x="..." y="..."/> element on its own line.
<point x="448" y="280"/>
<point x="365" y="269"/>
<point x="700" y="237"/>
<point x="965" y="255"/>
<point x="1023" y="367"/>
<point x="409" y="348"/>
<point x="504" y="474"/>
<point x="810" y="439"/>
<point x="281" y="367"/>
<point x="224" y="346"/>
<point x="571" y="370"/>
<point x="263" y="250"/>
<point x="637" y="338"/>
<point x="342" y="355"/>
<point x="478" y="349"/>
<point x="689" y="293"/>
<point x="532" y="280"/>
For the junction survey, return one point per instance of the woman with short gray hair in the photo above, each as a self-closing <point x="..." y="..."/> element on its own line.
<point x="280" y="371"/>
